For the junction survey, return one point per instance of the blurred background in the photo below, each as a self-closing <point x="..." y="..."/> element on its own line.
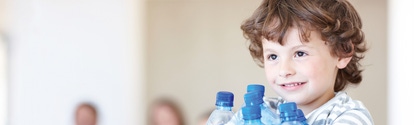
<point x="123" y="55"/>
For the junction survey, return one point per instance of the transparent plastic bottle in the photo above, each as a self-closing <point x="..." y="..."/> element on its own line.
<point x="268" y="116"/>
<point x="291" y="115"/>
<point x="223" y="112"/>
<point x="268" y="100"/>
<point x="254" y="96"/>
<point x="251" y="115"/>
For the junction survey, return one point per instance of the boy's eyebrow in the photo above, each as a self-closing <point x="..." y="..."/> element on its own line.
<point x="268" y="50"/>
<point x="300" y="46"/>
<point x="293" y="48"/>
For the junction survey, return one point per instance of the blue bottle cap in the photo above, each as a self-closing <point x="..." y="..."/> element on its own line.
<point x="288" y="107"/>
<point x="224" y="98"/>
<point x="288" y="111"/>
<point x="255" y="87"/>
<point x="251" y="112"/>
<point x="253" y="98"/>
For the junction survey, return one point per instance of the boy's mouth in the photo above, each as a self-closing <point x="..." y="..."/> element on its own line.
<point x="292" y="84"/>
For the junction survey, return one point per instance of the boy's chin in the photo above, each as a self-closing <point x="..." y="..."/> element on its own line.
<point x="294" y="98"/>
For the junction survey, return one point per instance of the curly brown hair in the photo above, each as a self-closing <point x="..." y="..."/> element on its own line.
<point x="336" y="20"/>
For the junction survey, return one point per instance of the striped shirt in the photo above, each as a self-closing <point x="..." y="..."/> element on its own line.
<point x="340" y="110"/>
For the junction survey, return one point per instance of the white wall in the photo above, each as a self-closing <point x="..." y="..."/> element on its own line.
<point x="400" y="62"/>
<point x="3" y="81"/>
<point x="63" y="52"/>
<point x="3" y="69"/>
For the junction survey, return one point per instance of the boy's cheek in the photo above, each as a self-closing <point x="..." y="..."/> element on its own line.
<point x="271" y="76"/>
<point x="269" y="72"/>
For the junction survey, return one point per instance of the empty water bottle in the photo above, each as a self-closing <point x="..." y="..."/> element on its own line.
<point x="223" y="112"/>
<point x="291" y="115"/>
<point x="254" y="96"/>
<point x="251" y="115"/>
<point x="268" y="116"/>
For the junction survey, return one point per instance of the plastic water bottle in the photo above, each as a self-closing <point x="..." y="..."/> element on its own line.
<point x="261" y="89"/>
<point x="291" y="115"/>
<point x="223" y="112"/>
<point x="254" y="96"/>
<point x="251" y="115"/>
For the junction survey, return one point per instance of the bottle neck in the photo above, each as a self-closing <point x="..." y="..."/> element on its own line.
<point x="226" y="108"/>
<point x="256" y="101"/>
<point x="289" y="119"/>
<point x="253" y="122"/>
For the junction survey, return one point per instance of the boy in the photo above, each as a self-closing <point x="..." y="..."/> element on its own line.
<point x="310" y="50"/>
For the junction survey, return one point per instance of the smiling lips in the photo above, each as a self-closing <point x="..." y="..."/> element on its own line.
<point x="292" y="84"/>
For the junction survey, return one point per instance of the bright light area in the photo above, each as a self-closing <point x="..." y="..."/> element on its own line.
<point x="400" y="62"/>
<point x="3" y="81"/>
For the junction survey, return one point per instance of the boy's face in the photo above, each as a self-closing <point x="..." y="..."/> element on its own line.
<point x="301" y="72"/>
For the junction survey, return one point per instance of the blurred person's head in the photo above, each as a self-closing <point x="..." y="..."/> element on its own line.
<point x="165" y="112"/>
<point x="86" y="114"/>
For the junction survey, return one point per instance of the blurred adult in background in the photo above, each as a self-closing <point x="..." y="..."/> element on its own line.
<point x="86" y="114"/>
<point x="165" y="111"/>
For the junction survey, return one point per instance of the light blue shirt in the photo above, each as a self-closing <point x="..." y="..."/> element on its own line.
<point x="340" y="110"/>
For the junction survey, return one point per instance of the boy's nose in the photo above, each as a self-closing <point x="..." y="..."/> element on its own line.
<point x="286" y="69"/>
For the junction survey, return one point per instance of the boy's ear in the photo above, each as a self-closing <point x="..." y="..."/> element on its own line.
<point x="343" y="62"/>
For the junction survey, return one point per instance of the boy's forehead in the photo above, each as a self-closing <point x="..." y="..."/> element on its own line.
<point x="313" y="43"/>
<point x="274" y="31"/>
<point x="294" y="33"/>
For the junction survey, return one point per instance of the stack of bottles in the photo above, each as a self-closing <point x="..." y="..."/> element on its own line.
<point x="223" y="112"/>
<point x="254" y="111"/>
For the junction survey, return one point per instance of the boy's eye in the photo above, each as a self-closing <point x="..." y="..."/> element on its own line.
<point x="300" y="54"/>
<point x="272" y="57"/>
